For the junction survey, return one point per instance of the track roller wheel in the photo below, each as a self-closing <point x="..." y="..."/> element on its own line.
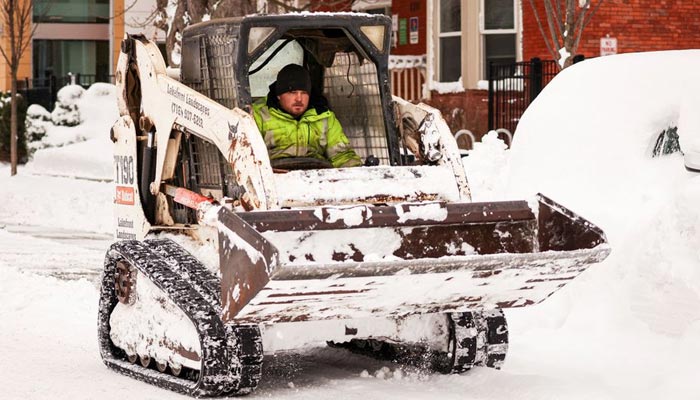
<point x="125" y="280"/>
<point x="175" y="369"/>
<point x="145" y="361"/>
<point x="132" y="358"/>
<point x="161" y="366"/>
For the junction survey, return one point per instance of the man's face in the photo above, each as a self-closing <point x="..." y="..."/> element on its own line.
<point x="295" y="102"/>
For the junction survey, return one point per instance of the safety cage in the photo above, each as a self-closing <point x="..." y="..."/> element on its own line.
<point x="234" y="60"/>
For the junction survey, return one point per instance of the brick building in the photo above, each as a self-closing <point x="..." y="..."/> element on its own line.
<point x="440" y="53"/>
<point x="456" y="40"/>
<point x="77" y="37"/>
<point x="637" y="25"/>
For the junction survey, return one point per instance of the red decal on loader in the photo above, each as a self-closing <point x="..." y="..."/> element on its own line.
<point x="125" y="195"/>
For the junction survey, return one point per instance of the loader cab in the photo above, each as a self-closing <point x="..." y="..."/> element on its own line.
<point x="235" y="60"/>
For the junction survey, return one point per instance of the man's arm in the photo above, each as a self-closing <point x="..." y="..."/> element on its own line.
<point x="338" y="150"/>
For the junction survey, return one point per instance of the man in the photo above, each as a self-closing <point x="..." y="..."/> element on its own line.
<point x="296" y="124"/>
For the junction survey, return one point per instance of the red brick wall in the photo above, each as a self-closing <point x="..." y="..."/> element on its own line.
<point x="638" y="25"/>
<point x="330" y="6"/>
<point x="404" y="8"/>
<point x="407" y="9"/>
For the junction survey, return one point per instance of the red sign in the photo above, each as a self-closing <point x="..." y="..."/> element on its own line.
<point x="125" y="195"/>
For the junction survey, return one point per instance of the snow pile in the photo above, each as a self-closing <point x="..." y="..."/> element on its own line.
<point x="447" y="87"/>
<point x="82" y="150"/>
<point x="587" y="142"/>
<point x="627" y="328"/>
<point x="485" y="167"/>
<point x="55" y="203"/>
<point x="597" y="149"/>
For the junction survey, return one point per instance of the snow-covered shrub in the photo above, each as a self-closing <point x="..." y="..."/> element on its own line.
<point x="37" y="122"/>
<point x="667" y="142"/>
<point x="100" y="89"/>
<point x="99" y="104"/>
<point x="66" y="112"/>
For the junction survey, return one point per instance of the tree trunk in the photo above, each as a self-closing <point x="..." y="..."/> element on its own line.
<point x="13" y="125"/>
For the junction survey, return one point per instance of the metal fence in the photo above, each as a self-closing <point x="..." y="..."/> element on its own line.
<point x="513" y="86"/>
<point x="43" y="91"/>
<point x="407" y="83"/>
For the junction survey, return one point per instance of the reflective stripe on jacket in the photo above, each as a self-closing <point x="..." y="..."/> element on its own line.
<point x="312" y="135"/>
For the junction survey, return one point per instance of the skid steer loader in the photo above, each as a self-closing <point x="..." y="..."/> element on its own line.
<point x="222" y="256"/>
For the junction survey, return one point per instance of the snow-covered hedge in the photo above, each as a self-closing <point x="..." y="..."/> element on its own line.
<point x="38" y="120"/>
<point x="37" y="123"/>
<point x="79" y="115"/>
<point x="100" y="89"/>
<point x="66" y="112"/>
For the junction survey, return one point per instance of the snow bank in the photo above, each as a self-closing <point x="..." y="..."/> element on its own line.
<point x="586" y="142"/>
<point x="83" y="150"/>
<point x="587" y="138"/>
<point x="627" y="328"/>
<point x="55" y="203"/>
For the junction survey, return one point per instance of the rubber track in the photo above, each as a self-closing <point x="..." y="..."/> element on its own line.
<point x="247" y="363"/>
<point x="222" y="351"/>
<point x="480" y="339"/>
<point x="477" y="339"/>
<point x="190" y="268"/>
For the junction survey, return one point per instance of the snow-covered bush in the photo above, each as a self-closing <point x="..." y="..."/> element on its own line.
<point x="667" y="142"/>
<point x="66" y="112"/>
<point x="100" y="89"/>
<point x="37" y="123"/>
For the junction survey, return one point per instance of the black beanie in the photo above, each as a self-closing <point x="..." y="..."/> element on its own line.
<point x="292" y="77"/>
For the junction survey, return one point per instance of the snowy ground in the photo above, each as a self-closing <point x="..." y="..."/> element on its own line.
<point x="627" y="328"/>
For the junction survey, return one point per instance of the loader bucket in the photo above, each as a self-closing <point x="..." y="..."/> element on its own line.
<point x="362" y="261"/>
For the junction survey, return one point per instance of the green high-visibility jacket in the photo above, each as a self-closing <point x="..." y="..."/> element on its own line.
<point x="314" y="134"/>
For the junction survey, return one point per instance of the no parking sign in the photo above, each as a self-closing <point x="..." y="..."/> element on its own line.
<point x="608" y="46"/>
<point x="413" y="29"/>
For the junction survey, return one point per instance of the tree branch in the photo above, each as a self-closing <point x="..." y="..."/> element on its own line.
<point x="549" y="13"/>
<point x="541" y="28"/>
<point x="590" y="14"/>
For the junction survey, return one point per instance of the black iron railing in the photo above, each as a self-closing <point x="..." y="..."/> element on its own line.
<point x="43" y="91"/>
<point x="513" y="86"/>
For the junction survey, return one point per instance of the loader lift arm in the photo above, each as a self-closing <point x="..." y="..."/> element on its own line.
<point x="168" y="106"/>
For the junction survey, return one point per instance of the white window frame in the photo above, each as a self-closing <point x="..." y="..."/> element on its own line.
<point x="442" y="35"/>
<point x="482" y="24"/>
<point x="516" y="30"/>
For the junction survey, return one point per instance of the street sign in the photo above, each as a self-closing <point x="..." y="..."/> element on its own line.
<point x="413" y="37"/>
<point x="608" y="46"/>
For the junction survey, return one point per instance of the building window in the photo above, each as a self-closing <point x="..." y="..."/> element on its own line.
<point x="59" y="57"/>
<point x="71" y="11"/>
<point x="450" y="41"/>
<point x="378" y="11"/>
<point x="498" y="29"/>
<point x="376" y="7"/>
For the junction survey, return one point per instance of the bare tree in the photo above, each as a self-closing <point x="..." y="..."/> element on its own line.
<point x="17" y="19"/>
<point x="173" y="16"/>
<point x="566" y="20"/>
